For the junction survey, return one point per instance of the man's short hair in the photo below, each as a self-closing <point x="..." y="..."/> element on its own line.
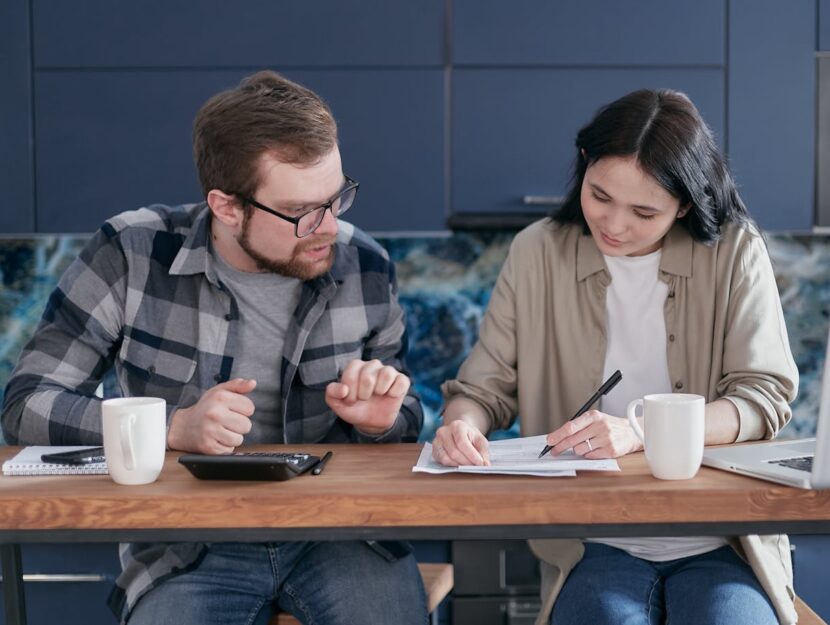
<point x="265" y="113"/>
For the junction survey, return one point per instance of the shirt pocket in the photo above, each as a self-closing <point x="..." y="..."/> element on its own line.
<point x="168" y="365"/>
<point x="317" y="373"/>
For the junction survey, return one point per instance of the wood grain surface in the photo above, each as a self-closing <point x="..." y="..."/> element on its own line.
<point x="373" y="486"/>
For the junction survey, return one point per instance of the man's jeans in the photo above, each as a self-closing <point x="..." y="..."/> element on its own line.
<point x="610" y="586"/>
<point x="321" y="583"/>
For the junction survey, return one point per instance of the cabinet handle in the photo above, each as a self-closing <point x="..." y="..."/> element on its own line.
<point x="543" y="200"/>
<point x="522" y="611"/>
<point x="63" y="577"/>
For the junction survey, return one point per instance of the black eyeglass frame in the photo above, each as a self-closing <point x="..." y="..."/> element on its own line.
<point x="351" y="185"/>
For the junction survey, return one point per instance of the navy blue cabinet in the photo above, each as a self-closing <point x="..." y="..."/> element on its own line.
<point x="115" y="140"/>
<point x="593" y="32"/>
<point x="771" y="112"/>
<point x="446" y="107"/>
<point x="248" y="33"/>
<point x="526" y="77"/>
<point x="17" y="210"/>
<point x="69" y="584"/>
<point x="513" y="130"/>
<point x="116" y="87"/>
<point x="810" y="559"/>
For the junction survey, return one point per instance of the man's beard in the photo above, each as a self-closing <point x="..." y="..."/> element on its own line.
<point x="293" y="267"/>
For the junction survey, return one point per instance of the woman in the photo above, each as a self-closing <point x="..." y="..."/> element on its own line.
<point x="654" y="267"/>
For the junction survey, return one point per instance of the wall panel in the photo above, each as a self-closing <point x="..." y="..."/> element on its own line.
<point x="110" y="141"/>
<point x="590" y="32"/>
<point x="514" y="130"/>
<point x="249" y="33"/>
<point x="771" y="111"/>
<point x="17" y="214"/>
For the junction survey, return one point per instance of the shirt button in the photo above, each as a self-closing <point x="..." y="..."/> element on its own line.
<point x="671" y="293"/>
<point x="678" y="386"/>
<point x="671" y="338"/>
<point x="228" y="317"/>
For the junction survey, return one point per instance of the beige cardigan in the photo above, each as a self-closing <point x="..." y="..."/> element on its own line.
<point x="725" y="338"/>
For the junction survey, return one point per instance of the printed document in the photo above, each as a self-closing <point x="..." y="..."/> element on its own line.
<point x="519" y="456"/>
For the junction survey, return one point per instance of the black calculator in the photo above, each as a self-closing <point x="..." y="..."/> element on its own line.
<point x="249" y="465"/>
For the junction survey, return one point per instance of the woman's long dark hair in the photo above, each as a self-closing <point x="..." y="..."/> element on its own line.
<point x="673" y="144"/>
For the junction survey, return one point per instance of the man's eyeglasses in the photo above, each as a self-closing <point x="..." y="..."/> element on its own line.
<point x="309" y="221"/>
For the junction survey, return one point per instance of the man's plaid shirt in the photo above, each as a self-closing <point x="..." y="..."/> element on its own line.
<point x="144" y="298"/>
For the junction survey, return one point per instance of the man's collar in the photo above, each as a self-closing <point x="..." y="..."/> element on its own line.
<point x="676" y="258"/>
<point x="194" y="256"/>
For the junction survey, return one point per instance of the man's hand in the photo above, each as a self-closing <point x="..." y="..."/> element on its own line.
<point x="217" y="422"/>
<point x="369" y="395"/>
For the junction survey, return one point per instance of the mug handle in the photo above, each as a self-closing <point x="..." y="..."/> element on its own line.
<point x="127" y="448"/>
<point x="632" y="419"/>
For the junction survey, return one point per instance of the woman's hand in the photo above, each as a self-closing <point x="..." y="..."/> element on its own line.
<point x="459" y="443"/>
<point x="595" y="435"/>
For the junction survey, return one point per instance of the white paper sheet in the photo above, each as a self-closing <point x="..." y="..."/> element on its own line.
<point x="519" y="456"/>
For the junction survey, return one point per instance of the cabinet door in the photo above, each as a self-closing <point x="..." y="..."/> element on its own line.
<point x="246" y="33"/>
<point x="772" y="110"/>
<point x="588" y="32"/>
<point x="109" y="141"/>
<point x="16" y="181"/>
<point x="70" y="583"/>
<point x="514" y="130"/>
<point x="810" y="571"/>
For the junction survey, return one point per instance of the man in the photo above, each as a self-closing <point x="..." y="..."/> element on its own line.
<point x="260" y="319"/>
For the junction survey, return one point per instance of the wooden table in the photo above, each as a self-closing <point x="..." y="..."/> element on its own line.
<point x="369" y="491"/>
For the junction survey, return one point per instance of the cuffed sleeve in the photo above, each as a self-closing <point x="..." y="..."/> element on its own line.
<point x="390" y="344"/>
<point x="489" y="375"/>
<point x="50" y="398"/>
<point x="759" y="375"/>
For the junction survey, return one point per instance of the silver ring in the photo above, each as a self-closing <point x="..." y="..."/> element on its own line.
<point x="588" y="442"/>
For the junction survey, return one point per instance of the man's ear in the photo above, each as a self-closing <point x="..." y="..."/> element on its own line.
<point x="226" y="208"/>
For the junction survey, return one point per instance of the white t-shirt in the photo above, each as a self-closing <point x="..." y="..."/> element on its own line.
<point x="636" y="345"/>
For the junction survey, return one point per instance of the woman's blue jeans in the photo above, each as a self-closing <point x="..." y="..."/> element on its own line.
<point x="609" y="586"/>
<point x="321" y="583"/>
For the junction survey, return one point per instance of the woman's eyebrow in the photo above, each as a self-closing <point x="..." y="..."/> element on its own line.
<point x="596" y="187"/>
<point x="645" y="207"/>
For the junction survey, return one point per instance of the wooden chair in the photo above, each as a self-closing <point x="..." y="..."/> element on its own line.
<point x="438" y="582"/>
<point x="805" y="615"/>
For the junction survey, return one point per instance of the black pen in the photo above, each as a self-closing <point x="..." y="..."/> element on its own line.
<point x="318" y="468"/>
<point x="602" y="390"/>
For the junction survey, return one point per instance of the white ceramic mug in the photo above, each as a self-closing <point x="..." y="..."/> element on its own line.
<point x="135" y="437"/>
<point x="673" y="437"/>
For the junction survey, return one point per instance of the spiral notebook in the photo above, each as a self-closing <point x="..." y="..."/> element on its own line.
<point x="28" y="462"/>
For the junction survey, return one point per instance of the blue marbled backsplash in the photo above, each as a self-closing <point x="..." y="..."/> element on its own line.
<point x="445" y="283"/>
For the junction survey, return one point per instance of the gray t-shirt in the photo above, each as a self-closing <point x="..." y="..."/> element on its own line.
<point x="266" y="305"/>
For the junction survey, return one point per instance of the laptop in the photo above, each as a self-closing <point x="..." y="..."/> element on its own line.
<point x="803" y="463"/>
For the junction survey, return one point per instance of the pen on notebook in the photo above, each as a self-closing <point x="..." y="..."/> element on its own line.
<point x="318" y="468"/>
<point x="602" y="390"/>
